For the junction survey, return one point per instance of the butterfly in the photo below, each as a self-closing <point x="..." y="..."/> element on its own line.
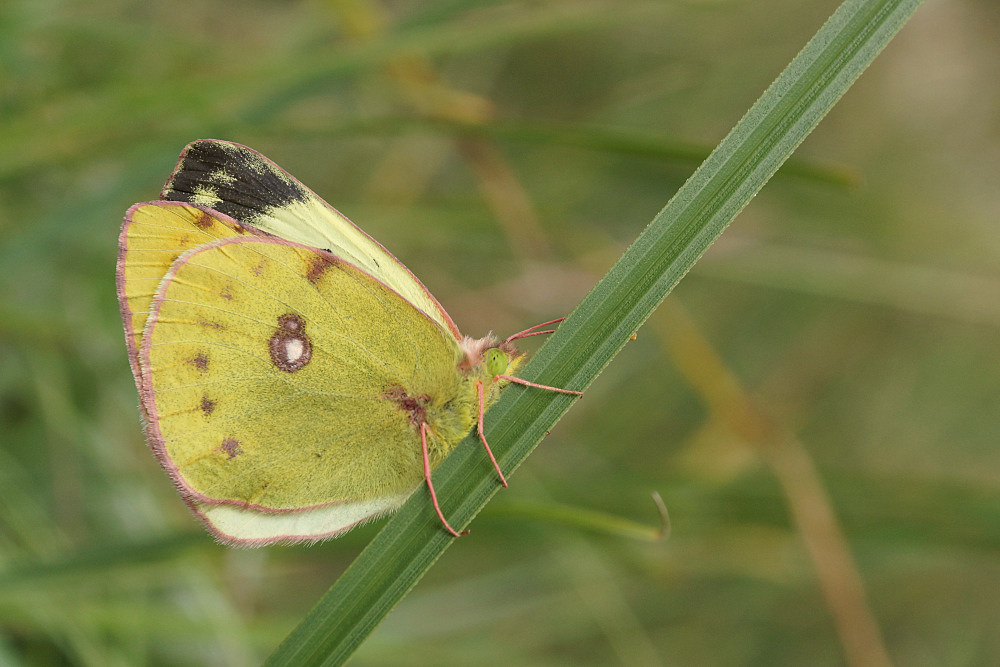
<point x="295" y="379"/>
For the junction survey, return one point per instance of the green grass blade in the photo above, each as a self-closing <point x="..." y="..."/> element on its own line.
<point x="102" y="558"/>
<point x="599" y="327"/>
<point x="585" y="519"/>
<point x="622" y="141"/>
<point x="641" y="144"/>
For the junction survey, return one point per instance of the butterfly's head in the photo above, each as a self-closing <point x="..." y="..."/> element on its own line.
<point x="489" y="354"/>
<point x="504" y="359"/>
<point x="497" y="362"/>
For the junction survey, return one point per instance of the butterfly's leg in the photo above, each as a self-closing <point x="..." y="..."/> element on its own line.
<point x="482" y="434"/>
<point x="430" y="484"/>
<point x="511" y="378"/>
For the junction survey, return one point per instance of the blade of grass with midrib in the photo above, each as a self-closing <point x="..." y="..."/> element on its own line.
<point x="599" y="327"/>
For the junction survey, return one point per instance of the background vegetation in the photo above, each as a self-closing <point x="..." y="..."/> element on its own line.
<point x="505" y="152"/>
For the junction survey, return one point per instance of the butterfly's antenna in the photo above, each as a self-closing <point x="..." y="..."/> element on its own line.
<point x="530" y="331"/>
<point x="511" y="378"/>
<point x="526" y="335"/>
<point x="482" y="434"/>
<point x="430" y="485"/>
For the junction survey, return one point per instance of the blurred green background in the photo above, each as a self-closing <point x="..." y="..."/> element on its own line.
<point x="506" y="152"/>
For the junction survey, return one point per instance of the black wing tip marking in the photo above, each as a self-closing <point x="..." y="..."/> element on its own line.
<point x="231" y="179"/>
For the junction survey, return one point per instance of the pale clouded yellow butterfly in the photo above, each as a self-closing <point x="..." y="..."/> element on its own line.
<point x="295" y="378"/>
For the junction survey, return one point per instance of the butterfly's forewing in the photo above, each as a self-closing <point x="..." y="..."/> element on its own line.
<point x="245" y="185"/>
<point x="276" y="378"/>
<point x="153" y="235"/>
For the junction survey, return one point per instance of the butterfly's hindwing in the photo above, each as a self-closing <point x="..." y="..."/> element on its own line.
<point x="235" y="422"/>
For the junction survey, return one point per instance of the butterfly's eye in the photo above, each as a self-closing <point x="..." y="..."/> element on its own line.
<point x="496" y="361"/>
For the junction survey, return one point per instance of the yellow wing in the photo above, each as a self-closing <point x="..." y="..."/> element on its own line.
<point x="283" y="381"/>
<point x="242" y="183"/>
<point x="153" y="235"/>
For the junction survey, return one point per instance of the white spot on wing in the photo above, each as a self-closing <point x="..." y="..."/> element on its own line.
<point x="294" y="349"/>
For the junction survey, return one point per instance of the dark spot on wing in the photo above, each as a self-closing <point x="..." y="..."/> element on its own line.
<point x="248" y="185"/>
<point x="289" y="346"/>
<point x="207" y="405"/>
<point x="204" y="221"/>
<point x="231" y="447"/>
<point x="414" y="405"/>
<point x="200" y="361"/>
<point x="319" y="264"/>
